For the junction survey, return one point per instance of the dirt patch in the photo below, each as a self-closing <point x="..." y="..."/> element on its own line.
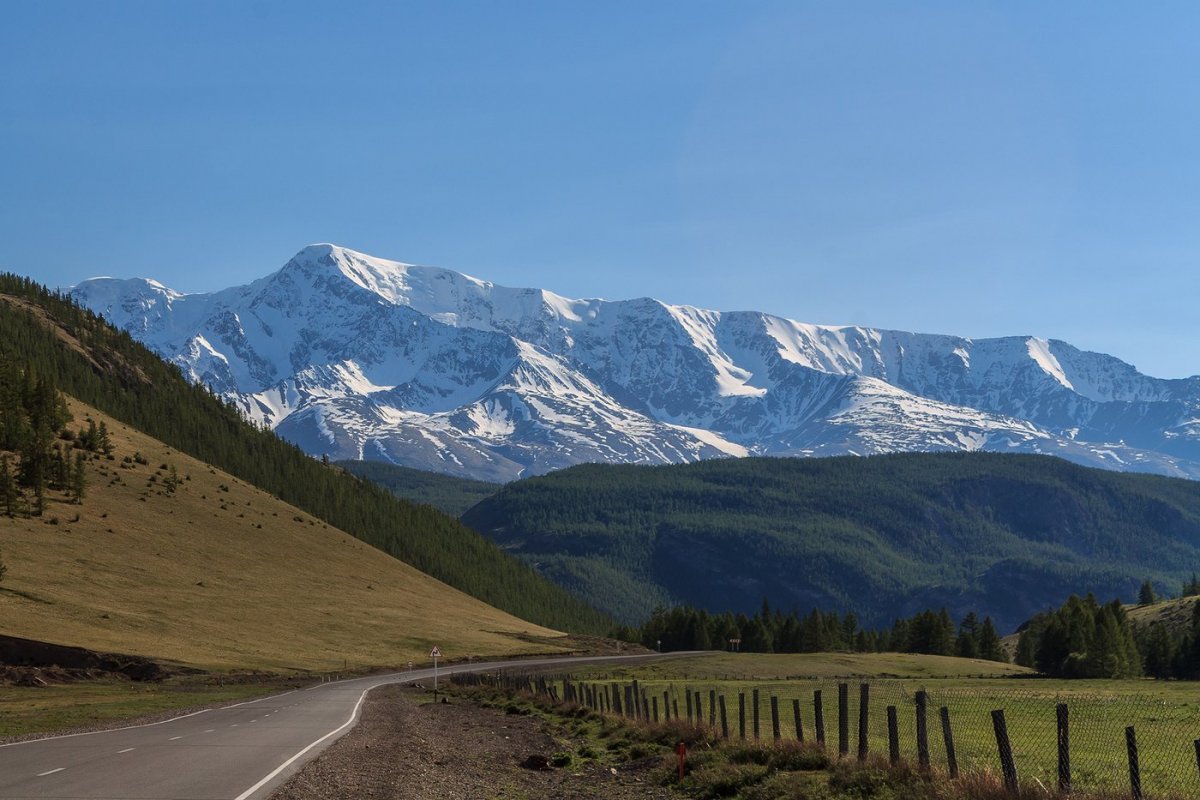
<point x="406" y="748"/>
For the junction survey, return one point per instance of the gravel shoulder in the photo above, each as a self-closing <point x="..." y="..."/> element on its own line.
<point x="407" y="747"/>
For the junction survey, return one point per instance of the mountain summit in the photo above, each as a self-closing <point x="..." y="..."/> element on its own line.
<point x="360" y="357"/>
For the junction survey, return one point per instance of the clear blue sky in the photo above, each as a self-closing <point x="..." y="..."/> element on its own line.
<point x="962" y="167"/>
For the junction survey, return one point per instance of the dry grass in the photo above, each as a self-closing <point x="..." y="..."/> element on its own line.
<point x="221" y="575"/>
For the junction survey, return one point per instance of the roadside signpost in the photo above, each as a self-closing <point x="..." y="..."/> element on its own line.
<point x="435" y="654"/>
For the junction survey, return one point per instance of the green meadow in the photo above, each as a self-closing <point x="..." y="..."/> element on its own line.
<point x="1165" y="715"/>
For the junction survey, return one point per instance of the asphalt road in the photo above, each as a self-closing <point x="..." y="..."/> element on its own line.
<point x="238" y="752"/>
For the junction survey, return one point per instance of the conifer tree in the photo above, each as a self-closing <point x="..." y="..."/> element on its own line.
<point x="990" y="647"/>
<point x="78" y="478"/>
<point x="1146" y="594"/>
<point x="8" y="487"/>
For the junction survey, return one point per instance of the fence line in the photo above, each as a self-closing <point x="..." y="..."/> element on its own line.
<point x="1123" y="742"/>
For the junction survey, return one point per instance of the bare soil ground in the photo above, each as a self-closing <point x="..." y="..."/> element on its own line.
<point x="404" y="747"/>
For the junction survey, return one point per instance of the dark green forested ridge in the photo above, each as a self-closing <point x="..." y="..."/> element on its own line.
<point x="88" y="359"/>
<point x="444" y="492"/>
<point x="1008" y="535"/>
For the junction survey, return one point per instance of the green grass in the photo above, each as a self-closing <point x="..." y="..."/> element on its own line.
<point x="1166" y="715"/>
<point x="48" y="709"/>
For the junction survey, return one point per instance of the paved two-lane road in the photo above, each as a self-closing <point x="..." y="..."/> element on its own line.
<point x="237" y="752"/>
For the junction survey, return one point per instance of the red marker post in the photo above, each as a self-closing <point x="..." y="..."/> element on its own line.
<point x="681" y="753"/>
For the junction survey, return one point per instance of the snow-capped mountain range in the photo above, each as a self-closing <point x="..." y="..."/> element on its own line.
<point x="359" y="357"/>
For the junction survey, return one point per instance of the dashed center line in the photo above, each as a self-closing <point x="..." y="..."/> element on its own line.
<point x="50" y="772"/>
<point x="126" y="750"/>
<point x="173" y="738"/>
<point x="210" y="730"/>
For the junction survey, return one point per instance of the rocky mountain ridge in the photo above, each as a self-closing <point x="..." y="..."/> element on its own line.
<point x="359" y="357"/>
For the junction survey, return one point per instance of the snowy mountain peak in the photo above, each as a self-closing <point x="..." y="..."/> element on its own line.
<point x="357" y="356"/>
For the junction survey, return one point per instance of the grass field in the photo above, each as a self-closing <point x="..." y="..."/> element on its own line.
<point x="1166" y="715"/>
<point x="220" y="575"/>
<point x="48" y="709"/>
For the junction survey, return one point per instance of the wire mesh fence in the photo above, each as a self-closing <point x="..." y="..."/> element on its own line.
<point x="1060" y="738"/>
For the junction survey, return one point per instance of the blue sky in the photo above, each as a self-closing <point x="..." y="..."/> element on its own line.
<point x="973" y="168"/>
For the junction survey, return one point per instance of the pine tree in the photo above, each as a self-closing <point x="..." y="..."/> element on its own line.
<point x="967" y="645"/>
<point x="1146" y="594"/>
<point x="8" y="487"/>
<point x="78" y="479"/>
<point x="990" y="647"/>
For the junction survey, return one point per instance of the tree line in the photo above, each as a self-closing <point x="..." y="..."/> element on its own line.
<point x="39" y="452"/>
<point x="1083" y="639"/>
<point x="774" y="631"/>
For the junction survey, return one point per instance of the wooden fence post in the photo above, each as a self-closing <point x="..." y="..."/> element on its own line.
<point x="712" y="708"/>
<point x="1135" y="772"/>
<point x="796" y="717"/>
<point x="864" y="701"/>
<point x="637" y="700"/>
<point x="1064" y="748"/>
<point x="724" y="719"/>
<point x="893" y="736"/>
<point x="843" y="719"/>
<point x="775" y="733"/>
<point x="922" y="730"/>
<point x="754" y="695"/>
<point x="741" y="715"/>
<point x="654" y="707"/>
<point x="687" y="690"/>
<point x="819" y="717"/>
<point x="948" y="738"/>
<point x="1004" y="746"/>
<point x="1196" y="744"/>
<point x="616" y="701"/>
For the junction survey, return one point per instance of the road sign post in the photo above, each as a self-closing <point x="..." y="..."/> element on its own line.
<point x="435" y="654"/>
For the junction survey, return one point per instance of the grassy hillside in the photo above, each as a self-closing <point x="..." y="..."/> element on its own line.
<point x="219" y="574"/>
<point x="105" y="368"/>
<point x="443" y="492"/>
<point x="884" y="536"/>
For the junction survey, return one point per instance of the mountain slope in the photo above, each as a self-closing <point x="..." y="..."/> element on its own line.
<point x="443" y="492"/>
<point x="105" y="368"/>
<point x="363" y="358"/>
<point x="886" y="536"/>
<point x="219" y="574"/>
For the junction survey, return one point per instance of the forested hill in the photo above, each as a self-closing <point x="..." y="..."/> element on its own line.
<point x="884" y="536"/>
<point x="105" y="368"/>
<point x="443" y="492"/>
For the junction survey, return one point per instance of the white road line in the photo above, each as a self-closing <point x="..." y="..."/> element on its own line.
<point x="106" y="730"/>
<point x="173" y="738"/>
<point x="353" y="715"/>
<point x="234" y="725"/>
<point x="210" y="730"/>
<point x="51" y="772"/>
<point x="126" y="750"/>
<point x="145" y="724"/>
